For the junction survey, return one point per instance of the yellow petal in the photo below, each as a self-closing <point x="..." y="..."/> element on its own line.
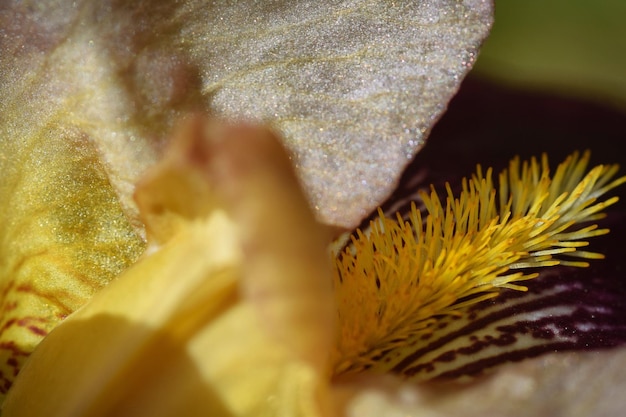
<point x="63" y="237"/>
<point x="225" y="315"/>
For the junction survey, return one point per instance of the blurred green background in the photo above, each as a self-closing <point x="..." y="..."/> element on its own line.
<point x="571" y="47"/>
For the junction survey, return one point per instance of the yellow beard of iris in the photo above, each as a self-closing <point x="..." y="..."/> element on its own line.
<point x="393" y="283"/>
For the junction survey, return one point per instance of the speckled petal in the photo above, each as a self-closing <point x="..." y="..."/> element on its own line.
<point x="63" y="236"/>
<point x="353" y="86"/>
<point x="225" y="314"/>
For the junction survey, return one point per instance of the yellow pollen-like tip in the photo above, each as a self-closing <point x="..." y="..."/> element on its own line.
<point x="396" y="278"/>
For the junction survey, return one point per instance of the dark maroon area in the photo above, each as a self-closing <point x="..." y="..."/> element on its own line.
<point x="489" y="124"/>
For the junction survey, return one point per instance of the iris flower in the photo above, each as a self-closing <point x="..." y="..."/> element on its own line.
<point x="227" y="314"/>
<point x="236" y="304"/>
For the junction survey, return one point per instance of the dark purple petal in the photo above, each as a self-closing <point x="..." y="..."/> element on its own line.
<point x="565" y="308"/>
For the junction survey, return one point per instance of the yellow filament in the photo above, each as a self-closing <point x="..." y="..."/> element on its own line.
<point x="394" y="280"/>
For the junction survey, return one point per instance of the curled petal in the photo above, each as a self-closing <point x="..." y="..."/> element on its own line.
<point x="223" y="302"/>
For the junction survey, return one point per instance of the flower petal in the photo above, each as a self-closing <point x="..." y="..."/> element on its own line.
<point x="354" y="87"/>
<point x="225" y="315"/>
<point x="64" y="237"/>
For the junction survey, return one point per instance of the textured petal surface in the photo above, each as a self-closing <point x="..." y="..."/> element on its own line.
<point x="63" y="236"/>
<point x="557" y="385"/>
<point x="353" y="86"/>
<point x="91" y="90"/>
<point x="566" y="309"/>
<point x="227" y="315"/>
